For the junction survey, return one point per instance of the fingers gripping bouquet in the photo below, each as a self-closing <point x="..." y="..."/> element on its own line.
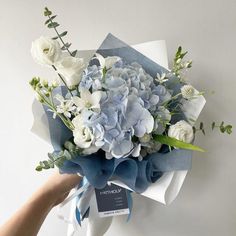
<point x="118" y="117"/>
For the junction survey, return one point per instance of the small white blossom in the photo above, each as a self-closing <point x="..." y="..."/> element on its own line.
<point x="182" y="131"/>
<point x="188" y="91"/>
<point x="65" y="107"/>
<point x="161" y="78"/>
<point x="88" y="100"/>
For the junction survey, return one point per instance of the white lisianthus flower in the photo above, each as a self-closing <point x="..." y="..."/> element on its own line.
<point x="71" y="68"/>
<point x="45" y="51"/>
<point x="83" y="136"/>
<point x="107" y="62"/>
<point x="110" y="61"/>
<point x="182" y="131"/>
<point x="88" y="100"/>
<point x="188" y="91"/>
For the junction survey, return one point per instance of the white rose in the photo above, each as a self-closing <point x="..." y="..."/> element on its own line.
<point x="182" y="131"/>
<point x="83" y="136"/>
<point x="71" y="68"/>
<point x="45" y="51"/>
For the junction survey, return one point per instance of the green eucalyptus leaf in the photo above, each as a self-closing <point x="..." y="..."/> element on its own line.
<point x="213" y="125"/>
<point x="49" y="20"/>
<point x="201" y="125"/>
<point x="38" y="168"/>
<point x="73" y="54"/>
<point x="66" y="46"/>
<point x="229" y="129"/>
<point x="176" y="143"/>
<point x="67" y="155"/>
<point x="53" y="25"/>
<point x="54" y="38"/>
<point x="63" y="34"/>
<point x="47" y="12"/>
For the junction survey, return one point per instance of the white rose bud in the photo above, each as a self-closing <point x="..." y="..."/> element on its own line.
<point x="188" y="91"/>
<point x="182" y="131"/>
<point x="55" y="83"/>
<point x="46" y="51"/>
<point x="71" y="68"/>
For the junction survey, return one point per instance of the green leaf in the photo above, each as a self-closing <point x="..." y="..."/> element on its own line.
<point x="213" y="125"/>
<point x="201" y="126"/>
<point x="39" y="168"/>
<point x="47" y="12"/>
<point x="176" y="143"/>
<point x="53" y="25"/>
<point x="63" y="34"/>
<point x="203" y="131"/>
<point x="228" y="129"/>
<point x="54" y="38"/>
<point x="49" y="20"/>
<point x="67" y="155"/>
<point x="66" y="46"/>
<point x="179" y="50"/>
<point x="73" y="54"/>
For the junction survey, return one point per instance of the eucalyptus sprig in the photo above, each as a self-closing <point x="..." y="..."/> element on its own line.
<point x="52" y="24"/>
<point x="58" y="158"/>
<point x="179" y="65"/>
<point x="222" y="127"/>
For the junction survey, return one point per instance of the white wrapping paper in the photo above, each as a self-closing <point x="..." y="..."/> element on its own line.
<point x="166" y="189"/>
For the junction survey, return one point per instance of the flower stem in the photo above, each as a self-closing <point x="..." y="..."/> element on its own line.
<point x="173" y="98"/>
<point x="67" y="123"/>
<point x="64" y="82"/>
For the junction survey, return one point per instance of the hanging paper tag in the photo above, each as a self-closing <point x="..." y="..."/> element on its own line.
<point x="112" y="201"/>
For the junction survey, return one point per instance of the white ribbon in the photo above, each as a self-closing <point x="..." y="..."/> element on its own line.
<point x="67" y="200"/>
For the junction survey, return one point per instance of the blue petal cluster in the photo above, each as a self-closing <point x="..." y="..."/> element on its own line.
<point x="130" y="107"/>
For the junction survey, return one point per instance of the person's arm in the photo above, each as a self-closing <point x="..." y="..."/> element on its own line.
<point x="28" y="220"/>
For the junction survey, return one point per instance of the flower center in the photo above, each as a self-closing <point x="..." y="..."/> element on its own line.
<point x="88" y="105"/>
<point x="46" y="50"/>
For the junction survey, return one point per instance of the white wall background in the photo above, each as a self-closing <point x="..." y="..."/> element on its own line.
<point x="207" y="28"/>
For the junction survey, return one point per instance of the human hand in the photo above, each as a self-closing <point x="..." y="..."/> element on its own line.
<point x="58" y="186"/>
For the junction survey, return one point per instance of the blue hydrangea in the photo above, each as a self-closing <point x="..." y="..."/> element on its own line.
<point x="130" y="107"/>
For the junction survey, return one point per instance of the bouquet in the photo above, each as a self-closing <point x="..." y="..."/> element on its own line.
<point x="117" y="118"/>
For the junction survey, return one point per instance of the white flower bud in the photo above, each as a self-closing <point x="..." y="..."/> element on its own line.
<point x="44" y="83"/>
<point x="145" y="139"/>
<point x="55" y="84"/>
